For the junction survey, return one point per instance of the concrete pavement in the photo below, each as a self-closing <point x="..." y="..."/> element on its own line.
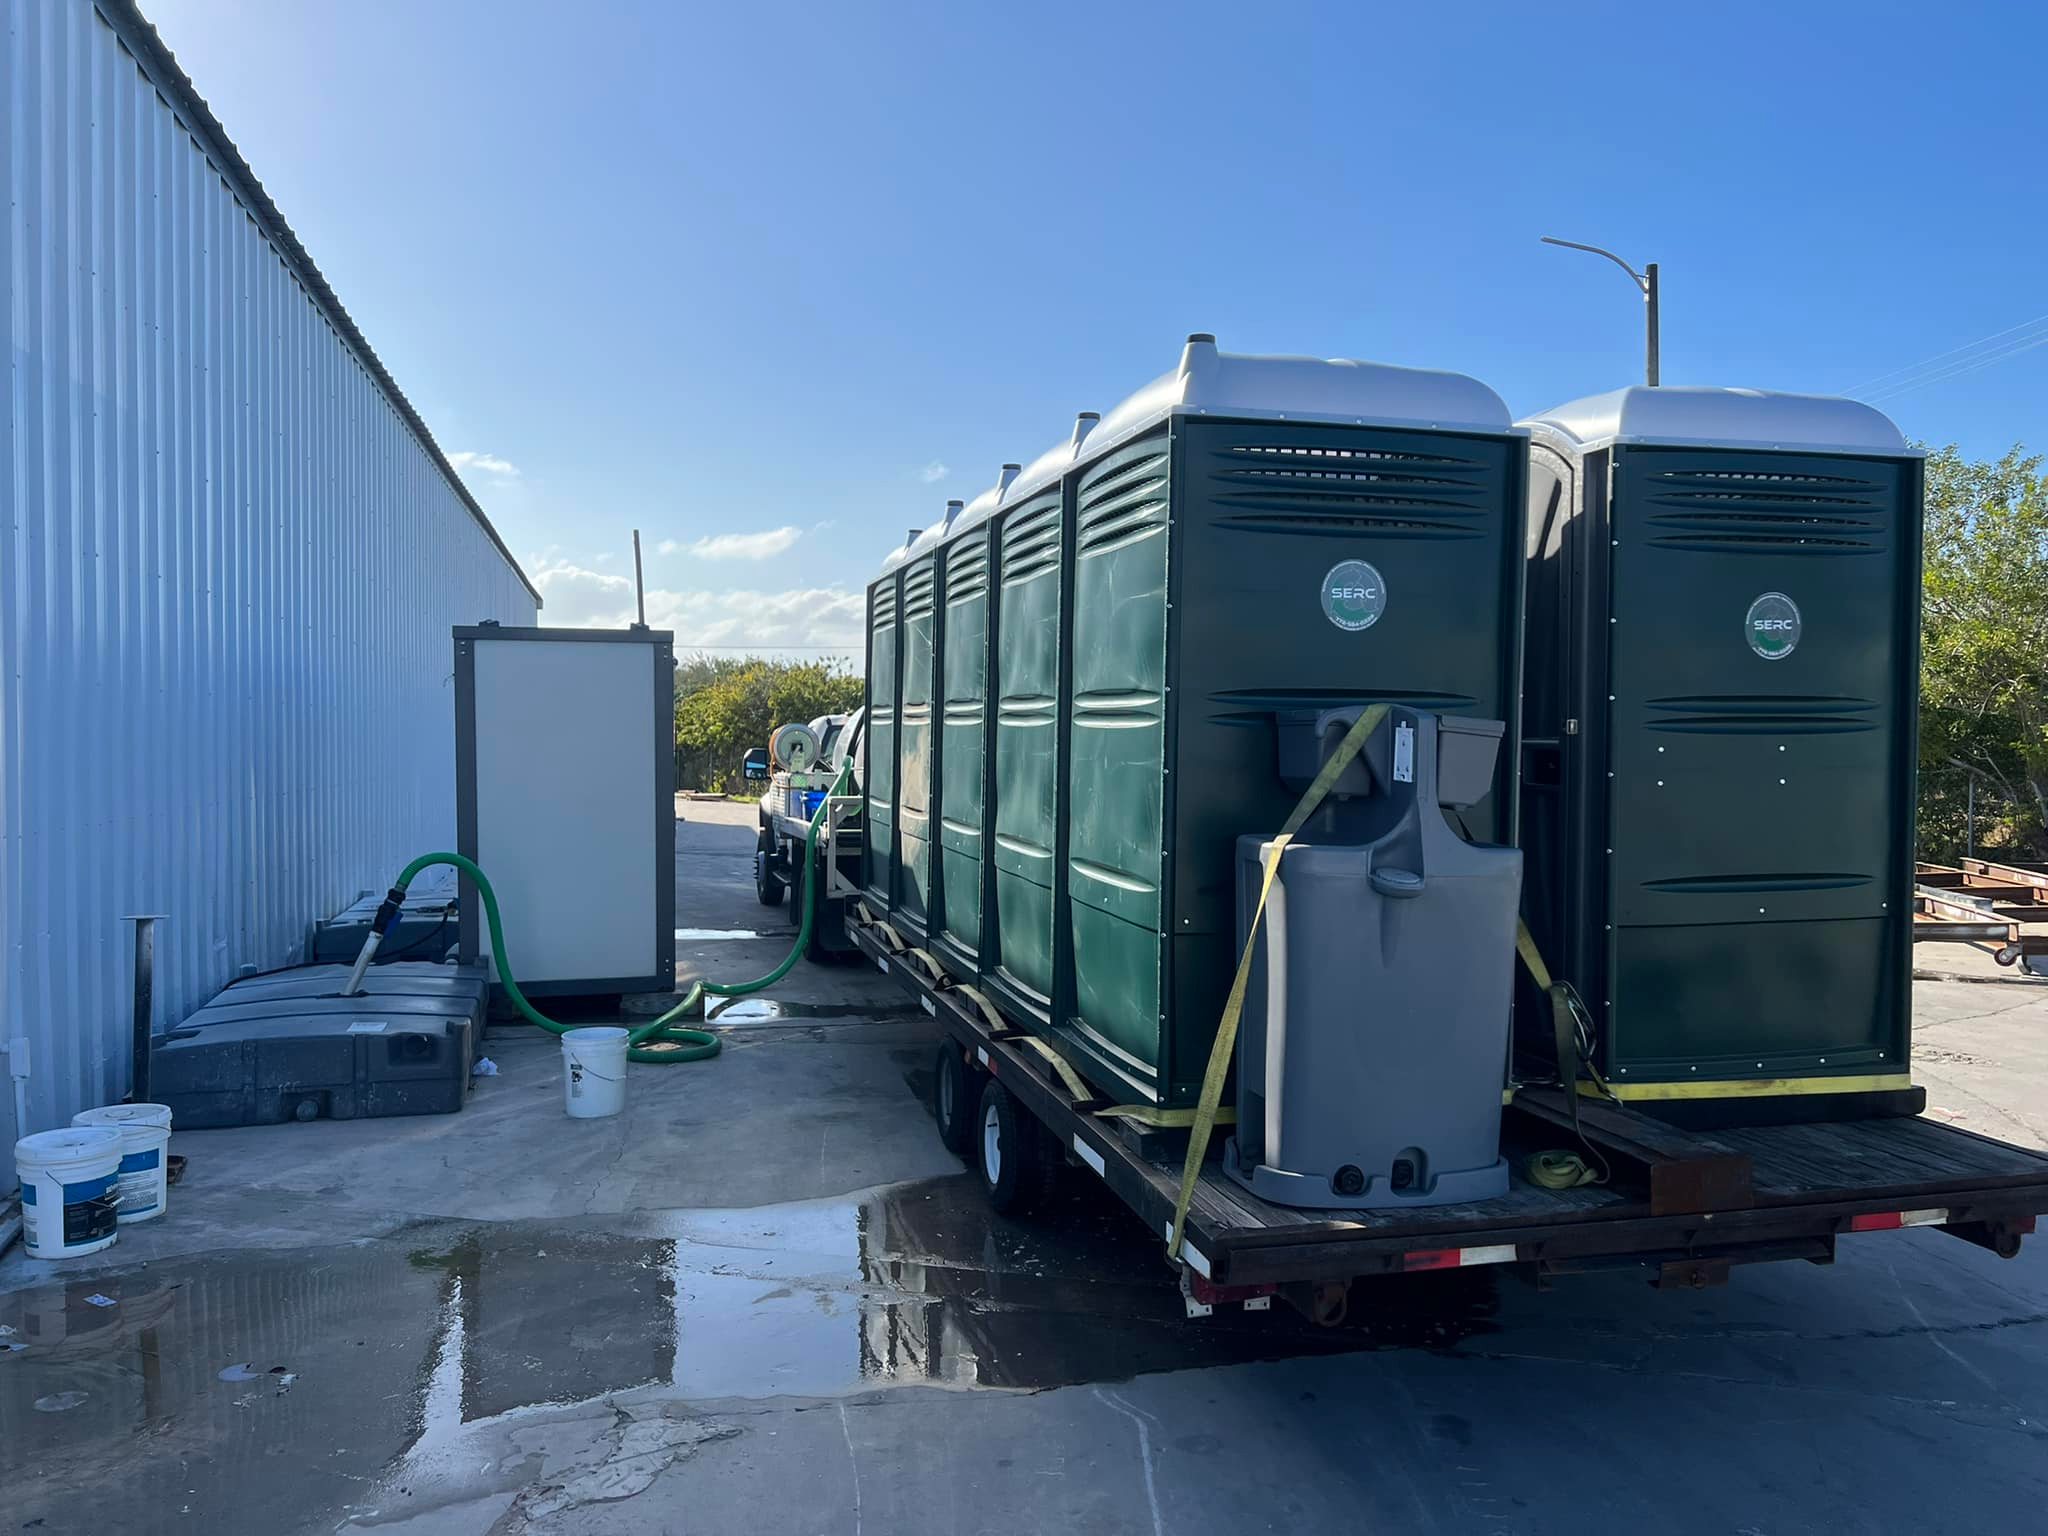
<point x="765" y="1300"/>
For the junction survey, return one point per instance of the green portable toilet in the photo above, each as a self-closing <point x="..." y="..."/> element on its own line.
<point x="960" y="801"/>
<point x="884" y="708"/>
<point x="1720" y="718"/>
<point x="1028" y="660"/>
<point x="910" y="897"/>
<point x="1245" y="542"/>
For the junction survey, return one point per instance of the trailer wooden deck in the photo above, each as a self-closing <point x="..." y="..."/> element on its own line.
<point x="1687" y="1204"/>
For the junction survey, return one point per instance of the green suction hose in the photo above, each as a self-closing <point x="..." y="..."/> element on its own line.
<point x="658" y="1041"/>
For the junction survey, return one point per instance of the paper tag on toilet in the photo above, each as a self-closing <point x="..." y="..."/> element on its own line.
<point x="1404" y="754"/>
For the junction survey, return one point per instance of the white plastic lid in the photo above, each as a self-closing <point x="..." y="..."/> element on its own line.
<point x="72" y="1144"/>
<point x="125" y="1114"/>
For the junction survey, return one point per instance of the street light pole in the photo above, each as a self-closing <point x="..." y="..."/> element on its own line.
<point x="1650" y="314"/>
<point x="1646" y="284"/>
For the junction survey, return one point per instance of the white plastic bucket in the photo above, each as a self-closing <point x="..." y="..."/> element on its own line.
<point x="145" y="1141"/>
<point x="70" y="1190"/>
<point x="593" y="1071"/>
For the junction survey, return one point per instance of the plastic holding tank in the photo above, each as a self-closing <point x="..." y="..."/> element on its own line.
<point x="1374" y="1041"/>
<point x="1721" y="691"/>
<point x="1246" y="542"/>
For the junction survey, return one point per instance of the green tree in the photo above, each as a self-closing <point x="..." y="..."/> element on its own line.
<point x="726" y="706"/>
<point x="1984" y="657"/>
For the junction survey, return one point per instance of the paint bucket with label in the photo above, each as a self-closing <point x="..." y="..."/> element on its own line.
<point x="70" y="1190"/>
<point x="145" y="1141"/>
<point x="593" y="1072"/>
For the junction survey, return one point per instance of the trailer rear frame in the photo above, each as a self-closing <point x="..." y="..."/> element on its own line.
<point x="1686" y="1205"/>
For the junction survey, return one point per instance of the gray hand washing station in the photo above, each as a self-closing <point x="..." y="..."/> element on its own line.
<point x="1374" y="1042"/>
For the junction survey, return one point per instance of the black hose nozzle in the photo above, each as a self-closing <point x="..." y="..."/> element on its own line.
<point x="387" y="914"/>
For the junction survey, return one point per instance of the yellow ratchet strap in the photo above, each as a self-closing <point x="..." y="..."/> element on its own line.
<point x="1076" y="1089"/>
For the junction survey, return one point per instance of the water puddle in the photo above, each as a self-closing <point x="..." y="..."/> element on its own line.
<point x="212" y="1387"/>
<point x="761" y="1010"/>
<point x="699" y="935"/>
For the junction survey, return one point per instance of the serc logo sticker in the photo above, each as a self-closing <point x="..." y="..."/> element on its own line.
<point x="1354" y="596"/>
<point x="1773" y="626"/>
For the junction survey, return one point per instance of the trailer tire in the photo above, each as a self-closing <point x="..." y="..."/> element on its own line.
<point x="766" y="886"/>
<point x="1016" y="1169"/>
<point x="956" y="1098"/>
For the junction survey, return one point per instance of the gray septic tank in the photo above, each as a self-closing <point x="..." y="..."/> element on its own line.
<point x="1374" y="1040"/>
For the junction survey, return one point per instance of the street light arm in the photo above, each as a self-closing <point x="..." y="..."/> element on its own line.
<point x="1646" y="284"/>
<point x="1641" y="281"/>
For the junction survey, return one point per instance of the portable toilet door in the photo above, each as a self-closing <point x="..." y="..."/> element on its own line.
<point x="1027" y="659"/>
<point x="1721" y="689"/>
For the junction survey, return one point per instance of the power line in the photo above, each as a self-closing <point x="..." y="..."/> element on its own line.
<point x="1960" y="369"/>
<point x="1885" y="379"/>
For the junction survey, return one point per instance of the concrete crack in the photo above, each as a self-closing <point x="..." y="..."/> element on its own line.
<point x="853" y="1461"/>
<point x="1144" y="1454"/>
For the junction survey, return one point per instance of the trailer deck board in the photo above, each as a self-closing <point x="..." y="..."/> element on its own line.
<point x="1850" y="1158"/>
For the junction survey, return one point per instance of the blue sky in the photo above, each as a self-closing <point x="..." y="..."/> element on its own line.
<point x="772" y="282"/>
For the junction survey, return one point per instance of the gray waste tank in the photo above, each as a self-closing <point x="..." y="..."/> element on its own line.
<point x="288" y="1046"/>
<point x="1374" y="1041"/>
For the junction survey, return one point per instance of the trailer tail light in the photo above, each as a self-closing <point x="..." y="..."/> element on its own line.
<point x="1458" y="1258"/>
<point x="1887" y="1221"/>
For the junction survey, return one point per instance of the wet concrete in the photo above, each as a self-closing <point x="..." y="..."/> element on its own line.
<point x="409" y="1353"/>
<point x="764" y="1010"/>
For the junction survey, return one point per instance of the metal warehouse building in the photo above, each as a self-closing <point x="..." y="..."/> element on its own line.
<point x="230" y="559"/>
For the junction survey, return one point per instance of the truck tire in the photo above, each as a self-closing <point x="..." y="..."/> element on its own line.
<point x="1016" y="1165"/>
<point x="956" y="1098"/>
<point x="766" y="886"/>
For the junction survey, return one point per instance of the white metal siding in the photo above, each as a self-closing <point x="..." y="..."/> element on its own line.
<point x="228" y="572"/>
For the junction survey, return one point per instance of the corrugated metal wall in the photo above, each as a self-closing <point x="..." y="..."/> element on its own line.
<point x="229" y="563"/>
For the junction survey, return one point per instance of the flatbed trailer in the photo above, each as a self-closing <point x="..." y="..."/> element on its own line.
<point x="1685" y="1205"/>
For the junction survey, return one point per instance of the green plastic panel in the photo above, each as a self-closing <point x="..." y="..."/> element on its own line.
<point x="1027" y="663"/>
<point x="914" y="752"/>
<point x="1761" y="662"/>
<point x="1117" y="749"/>
<point x="963" y="716"/>
<point x="878" y="856"/>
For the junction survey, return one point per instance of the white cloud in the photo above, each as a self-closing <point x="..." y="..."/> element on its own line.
<point x="667" y="547"/>
<point x="821" y="617"/>
<point x="765" y="545"/>
<point x="484" y="464"/>
<point x="934" y="472"/>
